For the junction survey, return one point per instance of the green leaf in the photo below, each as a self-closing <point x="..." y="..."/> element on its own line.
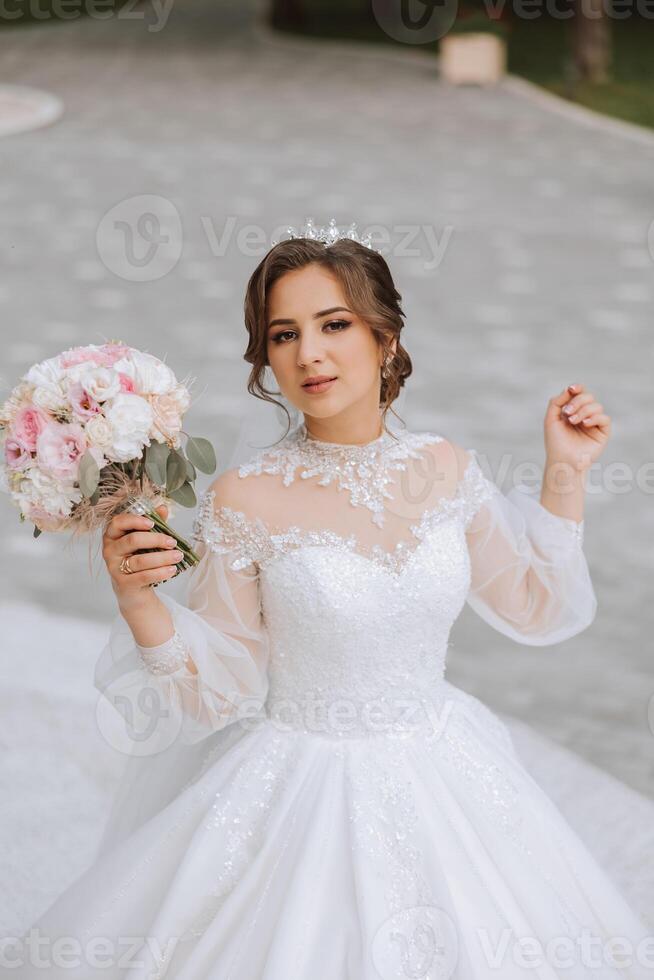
<point x="201" y="453"/>
<point x="185" y="496"/>
<point x="175" y="472"/>
<point x="156" y="457"/>
<point x="89" y="475"/>
<point x="36" y="531"/>
<point x="191" y="473"/>
<point x="95" y="496"/>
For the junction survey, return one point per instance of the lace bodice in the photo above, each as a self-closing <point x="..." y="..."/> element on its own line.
<point x="331" y="576"/>
<point x="230" y="532"/>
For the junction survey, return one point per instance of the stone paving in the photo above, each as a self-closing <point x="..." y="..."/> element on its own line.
<point x="529" y="268"/>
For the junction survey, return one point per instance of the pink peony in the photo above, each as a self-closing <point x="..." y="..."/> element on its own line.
<point x="81" y="402"/>
<point x="27" y="425"/>
<point x="59" y="449"/>
<point x="80" y="355"/>
<point x="115" y="352"/>
<point x="17" y="456"/>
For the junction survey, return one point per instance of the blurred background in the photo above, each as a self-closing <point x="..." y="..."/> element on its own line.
<point x="502" y="155"/>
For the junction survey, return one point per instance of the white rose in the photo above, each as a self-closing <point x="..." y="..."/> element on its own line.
<point x="43" y="490"/>
<point x="45" y="374"/>
<point x="99" y="432"/>
<point x="100" y="383"/>
<point x="51" y="397"/>
<point x="150" y="375"/>
<point x="130" y="416"/>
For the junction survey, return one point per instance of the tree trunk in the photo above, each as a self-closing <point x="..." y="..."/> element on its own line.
<point x="287" y="13"/>
<point x="592" y="41"/>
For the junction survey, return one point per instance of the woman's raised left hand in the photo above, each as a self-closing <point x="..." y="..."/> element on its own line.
<point x="576" y="428"/>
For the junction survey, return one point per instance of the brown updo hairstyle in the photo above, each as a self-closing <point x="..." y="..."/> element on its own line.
<point x="368" y="287"/>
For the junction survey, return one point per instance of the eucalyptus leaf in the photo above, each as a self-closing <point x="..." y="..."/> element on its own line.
<point x="89" y="474"/>
<point x="191" y="472"/>
<point x="201" y="453"/>
<point x="175" y="471"/>
<point x="156" y="457"/>
<point x="95" y="496"/>
<point x="36" y="531"/>
<point x="185" y="496"/>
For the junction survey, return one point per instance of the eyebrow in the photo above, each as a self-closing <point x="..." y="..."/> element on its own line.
<point x="316" y="316"/>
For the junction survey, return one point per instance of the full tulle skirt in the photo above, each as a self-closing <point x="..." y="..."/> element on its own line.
<point x="350" y="858"/>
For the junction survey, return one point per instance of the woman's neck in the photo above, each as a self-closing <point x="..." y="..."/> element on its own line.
<point x="362" y="433"/>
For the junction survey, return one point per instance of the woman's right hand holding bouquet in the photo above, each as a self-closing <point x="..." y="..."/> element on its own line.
<point x="136" y="557"/>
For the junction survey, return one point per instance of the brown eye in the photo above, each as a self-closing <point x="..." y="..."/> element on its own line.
<point x="277" y="339"/>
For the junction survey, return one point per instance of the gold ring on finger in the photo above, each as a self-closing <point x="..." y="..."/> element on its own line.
<point x="125" y="567"/>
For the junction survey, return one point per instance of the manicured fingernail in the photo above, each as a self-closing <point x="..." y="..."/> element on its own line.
<point x="567" y="409"/>
<point x="572" y="387"/>
<point x="150" y="522"/>
<point x="573" y="418"/>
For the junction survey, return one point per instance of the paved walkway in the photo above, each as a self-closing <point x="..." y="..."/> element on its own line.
<point x="545" y="279"/>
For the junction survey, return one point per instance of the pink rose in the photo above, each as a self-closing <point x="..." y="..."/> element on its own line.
<point x="17" y="456"/>
<point x="27" y="425"/>
<point x="126" y="383"/>
<point x="59" y="449"/>
<point x="81" y="402"/>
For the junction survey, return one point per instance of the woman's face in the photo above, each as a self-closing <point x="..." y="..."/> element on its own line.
<point x="311" y="333"/>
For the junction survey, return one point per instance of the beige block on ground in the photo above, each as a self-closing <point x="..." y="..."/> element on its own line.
<point x="476" y="58"/>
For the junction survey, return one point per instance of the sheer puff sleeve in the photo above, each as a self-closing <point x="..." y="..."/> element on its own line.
<point x="529" y="575"/>
<point x="219" y="626"/>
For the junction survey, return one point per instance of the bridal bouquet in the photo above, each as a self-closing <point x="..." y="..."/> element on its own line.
<point x="95" y="431"/>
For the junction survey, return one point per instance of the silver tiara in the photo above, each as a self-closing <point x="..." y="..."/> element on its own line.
<point x="328" y="235"/>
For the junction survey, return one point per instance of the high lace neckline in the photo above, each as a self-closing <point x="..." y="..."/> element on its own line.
<point x="364" y="471"/>
<point x="305" y="438"/>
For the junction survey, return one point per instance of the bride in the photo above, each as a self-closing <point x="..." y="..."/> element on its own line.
<point x="307" y="796"/>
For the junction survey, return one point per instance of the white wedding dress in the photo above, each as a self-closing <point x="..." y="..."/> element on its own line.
<point x="318" y="802"/>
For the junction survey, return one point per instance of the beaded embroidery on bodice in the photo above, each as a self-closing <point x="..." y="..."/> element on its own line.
<point x="344" y="622"/>
<point x="364" y="472"/>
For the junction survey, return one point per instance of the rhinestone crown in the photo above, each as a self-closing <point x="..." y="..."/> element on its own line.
<point x="328" y="235"/>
